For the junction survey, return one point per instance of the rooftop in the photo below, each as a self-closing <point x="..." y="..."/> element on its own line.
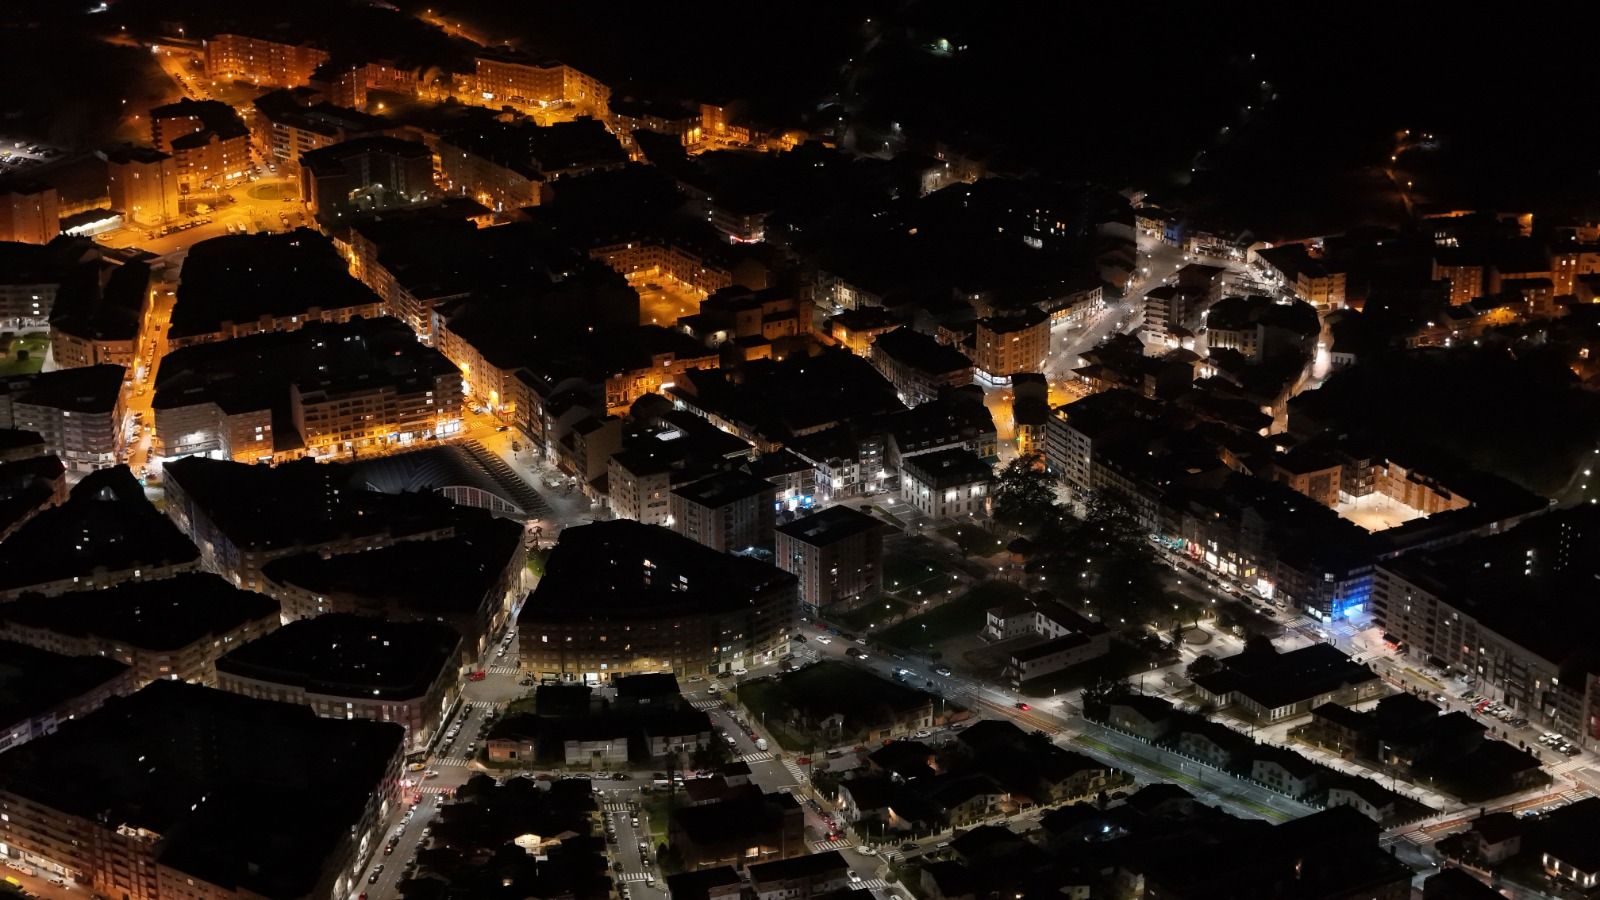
<point x="301" y="503"/>
<point x="105" y="526"/>
<point x="242" y="278"/>
<point x="35" y="681"/>
<point x="946" y="468"/>
<point x="434" y="577"/>
<point x="86" y="389"/>
<point x="257" y="797"/>
<point x="831" y="525"/>
<point x="724" y="488"/>
<point x="346" y="655"/>
<point x="623" y="566"/>
<point x="165" y="615"/>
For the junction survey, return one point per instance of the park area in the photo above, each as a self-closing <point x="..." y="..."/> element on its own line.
<point x="962" y="617"/>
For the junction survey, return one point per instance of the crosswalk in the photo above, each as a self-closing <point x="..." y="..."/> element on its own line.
<point x="632" y="877"/>
<point x="795" y="770"/>
<point x="495" y="705"/>
<point x="871" y="884"/>
<point x="434" y="789"/>
<point x="503" y="670"/>
<point x="825" y="846"/>
<point x="761" y="756"/>
<point x="705" y="705"/>
<point x="614" y="806"/>
<point x="451" y="762"/>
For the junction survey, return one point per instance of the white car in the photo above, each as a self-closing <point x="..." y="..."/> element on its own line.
<point x="824" y="640"/>
<point x="854" y="877"/>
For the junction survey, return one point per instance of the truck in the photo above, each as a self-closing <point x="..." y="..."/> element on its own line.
<point x="761" y="743"/>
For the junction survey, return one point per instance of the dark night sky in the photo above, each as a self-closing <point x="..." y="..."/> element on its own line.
<point x="1124" y="93"/>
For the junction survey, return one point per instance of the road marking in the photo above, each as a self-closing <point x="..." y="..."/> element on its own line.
<point x="631" y="877"/>
<point x="503" y="670"/>
<point x="452" y="762"/>
<point x="824" y="846"/>
<point x="762" y="756"/>
<point x="705" y="704"/>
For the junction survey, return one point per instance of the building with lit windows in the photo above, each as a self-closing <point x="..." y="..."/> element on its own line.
<point x="1005" y="345"/>
<point x="365" y="175"/>
<point x="261" y="61"/>
<point x="248" y="284"/>
<point x="354" y="667"/>
<point x="507" y="166"/>
<point x="49" y="690"/>
<point x="466" y="577"/>
<point x="99" y="318"/>
<point x="296" y="122"/>
<point x="325" y="390"/>
<point x="105" y="534"/>
<point x="78" y="412"/>
<point x="529" y="85"/>
<point x="207" y="140"/>
<point x="622" y="597"/>
<point x="173" y="629"/>
<point x="238" y="798"/>
<point x="728" y="511"/>
<point x="30" y="212"/>
<point x="947" y="484"/>
<point x="918" y="365"/>
<point x="837" y="556"/>
<point x="142" y="184"/>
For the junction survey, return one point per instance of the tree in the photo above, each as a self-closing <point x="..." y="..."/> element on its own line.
<point x="1204" y="664"/>
<point x="1024" y="494"/>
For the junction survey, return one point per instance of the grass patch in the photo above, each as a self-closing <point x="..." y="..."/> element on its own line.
<point x="872" y="613"/>
<point x="974" y="540"/>
<point x="965" y="615"/>
<point x="657" y="807"/>
<point x="32" y="346"/>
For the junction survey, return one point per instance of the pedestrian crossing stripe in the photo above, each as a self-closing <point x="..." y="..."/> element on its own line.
<point x="763" y="756"/>
<point x="825" y="846"/>
<point x="489" y="704"/>
<point x="634" y="877"/>
<point x="871" y="884"/>
<point x="703" y="705"/>
<point x="503" y="670"/>
<point x="452" y="762"/>
<point x="614" y="806"/>
<point x="435" y="789"/>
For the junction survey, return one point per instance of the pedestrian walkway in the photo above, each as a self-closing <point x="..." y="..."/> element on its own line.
<point x="761" y="756"/>
<point x="632" y="877"/>
<point x="614" y="806"/>
<point x="452" y="762"/>
<point x="795" y="770"/>
<point x="495" y="705"/>
<point x="825" y="846"/>
<point x="705" y="705"/>
<point x="435" y="789"/>
<point x="533" y="505"/>
<point x="503" y="670"/>
<point x="871" y="884"/>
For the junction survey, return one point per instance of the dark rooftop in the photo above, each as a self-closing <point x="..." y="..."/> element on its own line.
<point x="346" y="655"/>
<point x="105" y="526"/>
<point x="151" y="615"/>
<point x="836" y="523"/>
<point x="241" y="278"/>
<point x="35" y="681"/>
<point x="257" y="797"/>
<point x="627" y="566"/>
